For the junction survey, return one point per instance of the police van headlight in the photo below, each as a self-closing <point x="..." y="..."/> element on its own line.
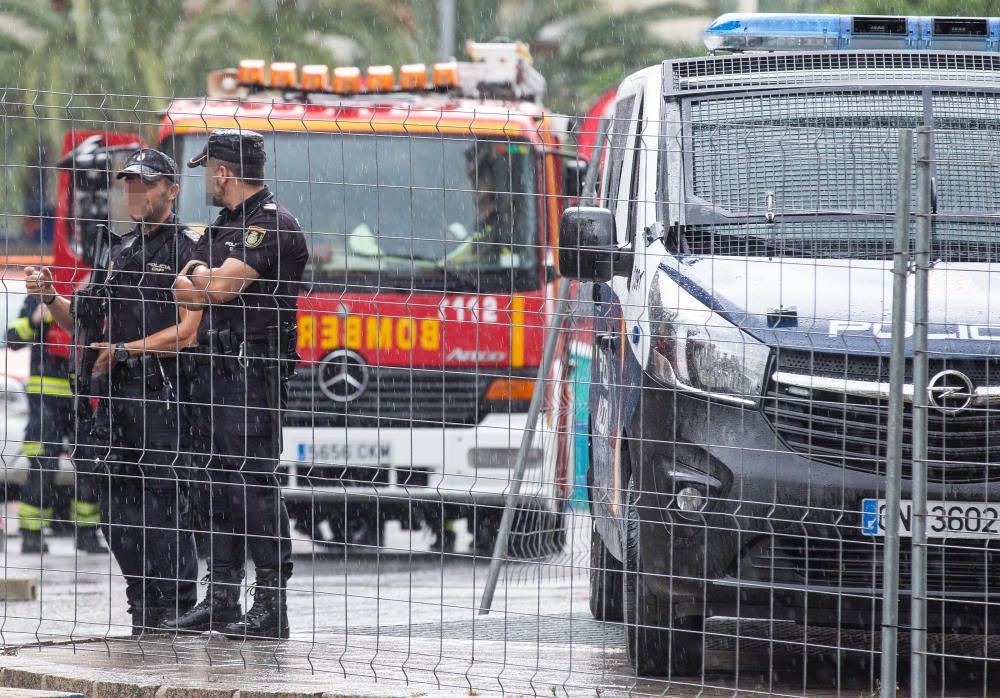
<point x="697" y="350"/>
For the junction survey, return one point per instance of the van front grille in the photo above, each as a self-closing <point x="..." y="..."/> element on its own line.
<point x="852" y="431"/>
<point x="858" y="564"/>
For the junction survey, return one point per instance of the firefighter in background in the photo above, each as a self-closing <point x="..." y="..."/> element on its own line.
<point x="490" y="244"/>
<point x="50" y="422"/>
<point x="488" y="247"/>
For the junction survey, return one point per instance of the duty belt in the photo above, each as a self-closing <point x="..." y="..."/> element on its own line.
<point x="225" y="353"/>
<point x="157" y="374"/>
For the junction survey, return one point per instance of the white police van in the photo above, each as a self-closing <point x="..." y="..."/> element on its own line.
<point x="742" y="255"/>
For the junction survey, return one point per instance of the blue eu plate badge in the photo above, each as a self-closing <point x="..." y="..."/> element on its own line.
<point x="869" y="517"/>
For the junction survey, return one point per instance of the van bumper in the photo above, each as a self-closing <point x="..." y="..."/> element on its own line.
<point x="780" y="535"/>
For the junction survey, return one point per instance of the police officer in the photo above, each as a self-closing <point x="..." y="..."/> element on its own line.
<point x="50" y="421"/>
<point x="139" y="435"/>
<point x="245" y="273"/>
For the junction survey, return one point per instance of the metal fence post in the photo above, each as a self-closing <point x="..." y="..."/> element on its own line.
<point x="588" y="198"/>
<point x="894" y="454"/>
<point x="534" y="409"/>
<point x="918" y="572"/>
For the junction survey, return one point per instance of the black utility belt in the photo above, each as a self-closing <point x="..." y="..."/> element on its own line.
<point x="144" y="365"/>
<point x="155" y="372"/>
<point x="204" y="354"/>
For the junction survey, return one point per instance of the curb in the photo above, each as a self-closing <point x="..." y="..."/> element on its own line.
<point x="66" y="686"/>
<point x="43" y="680"/>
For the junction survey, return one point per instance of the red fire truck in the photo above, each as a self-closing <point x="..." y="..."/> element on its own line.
<point x="430" y="204"/>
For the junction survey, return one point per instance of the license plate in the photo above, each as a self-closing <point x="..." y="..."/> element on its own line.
<point x="944" y="519"/>
<point x="349" y="453"/>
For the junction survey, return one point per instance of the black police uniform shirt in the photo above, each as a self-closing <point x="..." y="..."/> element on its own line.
<point x="140" y="280"/>
<point x="264" y="235"/>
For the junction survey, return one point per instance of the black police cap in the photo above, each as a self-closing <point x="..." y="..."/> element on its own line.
<point x="232" y="145"/>
<point x="150" y="165"/>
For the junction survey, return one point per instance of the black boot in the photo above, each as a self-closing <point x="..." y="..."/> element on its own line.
<point x="220" y="607"/>
<point x="88" y="540"/>
<point x="32" y="543"/>
<point x="268" y="619"/>
<point x="146" y="619"/>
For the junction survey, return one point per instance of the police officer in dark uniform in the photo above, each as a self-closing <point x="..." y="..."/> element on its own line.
<point x="245" y="273"/>
<point x="50" y="422"/>
<point x="137" y="434"/>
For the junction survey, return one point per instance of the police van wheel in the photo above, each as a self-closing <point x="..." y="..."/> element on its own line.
<point x="605" y="580"/>
<point x="657" y="643"/>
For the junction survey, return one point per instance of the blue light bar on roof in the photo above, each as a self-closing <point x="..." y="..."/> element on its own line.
<point x="733" y="33"/>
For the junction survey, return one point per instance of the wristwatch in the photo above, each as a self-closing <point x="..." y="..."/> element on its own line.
<point x="191" y="267"/>
<point x="121" y="353"/>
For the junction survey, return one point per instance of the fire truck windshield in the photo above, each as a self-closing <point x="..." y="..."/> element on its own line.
<point x="405" y="211"/>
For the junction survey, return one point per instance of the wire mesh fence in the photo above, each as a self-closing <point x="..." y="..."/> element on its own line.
<point x="314" y="350"/>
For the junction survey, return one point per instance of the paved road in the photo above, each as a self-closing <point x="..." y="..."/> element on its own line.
<point x="397" y="621"/>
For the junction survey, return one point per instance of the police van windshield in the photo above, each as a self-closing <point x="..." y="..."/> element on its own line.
<point x="404" y="211"/>
<point x="822" y="166"/>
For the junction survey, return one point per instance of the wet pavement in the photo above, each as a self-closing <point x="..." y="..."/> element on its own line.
<point x="395" y="621"/>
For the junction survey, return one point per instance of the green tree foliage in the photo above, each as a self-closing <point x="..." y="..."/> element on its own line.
<point x="115" y="64"/>
<point x="580" y="46"/>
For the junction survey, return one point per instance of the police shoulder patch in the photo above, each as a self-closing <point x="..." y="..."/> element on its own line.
<point x="192" y="235"/>
<point x="253" y="236"/>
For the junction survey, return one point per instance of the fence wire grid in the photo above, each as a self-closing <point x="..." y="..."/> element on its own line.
<point x="664" y="386"/>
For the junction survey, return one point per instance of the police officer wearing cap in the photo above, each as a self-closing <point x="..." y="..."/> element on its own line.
<point x="245" y="273"/>
<point x="140" y="439"/>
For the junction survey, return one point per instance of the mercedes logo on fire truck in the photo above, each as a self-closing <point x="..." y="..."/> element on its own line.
<point x="950" y="392"/>
<point x="343" y="375"/>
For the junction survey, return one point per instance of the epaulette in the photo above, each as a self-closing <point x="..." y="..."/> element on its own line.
<point x="192" y="235"/>
<point x="270" y="207"/>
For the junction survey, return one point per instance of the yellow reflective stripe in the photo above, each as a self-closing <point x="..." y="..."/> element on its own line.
<point x="32" y="448"/>
<point x="33" y="518"/>
<point x="48" y="385"/>
<point x="84" y="513"/>
<point x="25" y="332"/>
<point x="84" y="508"/>
<point x="517" y="332"/>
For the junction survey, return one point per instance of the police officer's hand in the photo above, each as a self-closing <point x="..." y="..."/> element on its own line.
<point x="105" y="357"/>
<point x="38" y="282"/>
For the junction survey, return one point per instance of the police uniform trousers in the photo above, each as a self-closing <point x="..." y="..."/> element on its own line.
<point x="233" y="433"/>
<point x="50" y="421"/>
<point x="145" y="511"/>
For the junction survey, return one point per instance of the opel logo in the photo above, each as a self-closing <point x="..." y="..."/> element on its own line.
<point x="950" y="392"/>
<point x="343" y="375"/>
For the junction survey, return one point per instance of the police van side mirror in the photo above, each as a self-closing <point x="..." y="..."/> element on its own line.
<point x="574" y="175"/>
<point x="587" y="250"/>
